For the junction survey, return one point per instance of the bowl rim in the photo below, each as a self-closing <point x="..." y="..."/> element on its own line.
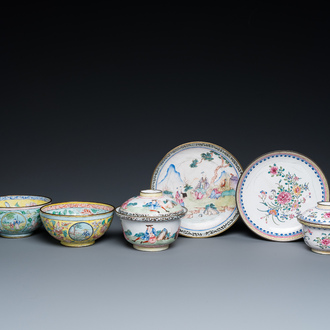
<point x="27" y="206"/>
<point x="77" y="215"/>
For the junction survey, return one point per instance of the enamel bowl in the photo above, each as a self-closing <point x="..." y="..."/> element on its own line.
<point x="19" y="214"/>
<point x="316" y="227"/>
<point x="151" y="221"/>
<point x="77" y="224"/>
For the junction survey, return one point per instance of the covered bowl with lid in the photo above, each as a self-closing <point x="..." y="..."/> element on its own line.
<point x="316" y="227"/>
<point x="151" y="221"/>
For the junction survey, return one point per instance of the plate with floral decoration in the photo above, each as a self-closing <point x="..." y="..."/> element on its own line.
<point x="202" y="177"/>
<point x="274" y="189"/>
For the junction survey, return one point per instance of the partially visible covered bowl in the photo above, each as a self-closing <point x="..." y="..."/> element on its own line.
<point x="77" y="224"/>
<point x="151" y="221"/>
<point x="316" y="227"/>
<point x="19" y="214"/>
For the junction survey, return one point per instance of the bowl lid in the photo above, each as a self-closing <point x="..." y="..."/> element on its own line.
<point x="318" y="215"/>
<point x="151" y="204"/>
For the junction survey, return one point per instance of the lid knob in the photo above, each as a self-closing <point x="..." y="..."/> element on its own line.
<point x="151" y="193"/>
<point x="323" y="205"/>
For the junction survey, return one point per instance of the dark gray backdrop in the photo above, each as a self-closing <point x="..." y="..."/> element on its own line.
<point x="92" y="98"/>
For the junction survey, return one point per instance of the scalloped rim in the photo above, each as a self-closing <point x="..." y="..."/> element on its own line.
<point x="147" y="217"/>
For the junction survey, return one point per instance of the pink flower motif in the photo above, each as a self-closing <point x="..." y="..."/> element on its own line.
<point x="284" y="197"/>
<point x="326" y="241"/>
<point x="291" y="216"/>
<point x="295" y="205"/>
<point x="295" y="178"/>
<point x="273" y="170"/>
<point x="326" y="215"/>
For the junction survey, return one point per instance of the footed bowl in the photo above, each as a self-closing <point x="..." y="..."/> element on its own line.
<point x="19" y="214"/>
<point x="316" y="227"/>
<point x="77" y="224"/>
<point x="151" y="221"/>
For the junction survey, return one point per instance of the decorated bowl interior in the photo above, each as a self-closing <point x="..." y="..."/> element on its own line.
<point x="19" y="201"/>
<point x="77" y="209"/>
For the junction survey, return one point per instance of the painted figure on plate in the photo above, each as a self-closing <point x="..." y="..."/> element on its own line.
<point x="209" y="185"/>
<point x="202" y="186"/>
<point x="179" y="196"/>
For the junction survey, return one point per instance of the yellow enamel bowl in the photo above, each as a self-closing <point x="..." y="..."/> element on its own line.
<point x="19" y="214"/>
<point x="77" y="224"/>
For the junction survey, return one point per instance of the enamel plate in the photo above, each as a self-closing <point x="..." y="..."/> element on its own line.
<point x="202" y="177"/>
<point x="274" y="189"/>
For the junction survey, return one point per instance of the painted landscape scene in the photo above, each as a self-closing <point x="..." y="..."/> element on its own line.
<point x="80" y="231"/>
<point x="151" y="236"/>
<point x="205" y="185"/>
<point x="13" y="222"/>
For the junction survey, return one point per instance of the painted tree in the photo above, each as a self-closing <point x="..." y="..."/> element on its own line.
<point x="208" y="157"/>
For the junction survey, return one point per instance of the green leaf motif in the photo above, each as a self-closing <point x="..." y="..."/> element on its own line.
<point x="194" y="163"/>
<point x="207" y="156"/>
<point x="10" y="216"/>
<point x="187" y="187"/>
<point x="167" y="192"/>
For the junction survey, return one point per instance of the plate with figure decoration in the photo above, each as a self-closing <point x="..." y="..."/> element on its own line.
<point x="202" y="177"/>
<point x="274" y="189"/>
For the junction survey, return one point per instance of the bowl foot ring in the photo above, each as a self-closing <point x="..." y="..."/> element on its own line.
<point x="320" y="252"/>
<point x="150" y="249"/>
<point x="16" y="236"/>
<point x="77" y="245"/>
